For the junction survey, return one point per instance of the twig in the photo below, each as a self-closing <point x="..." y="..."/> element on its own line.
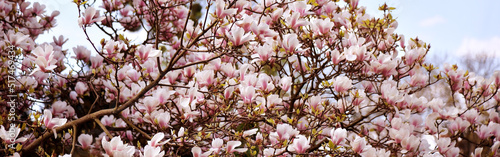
<point x="103" y="128"/>
<point x="135" y="127"/>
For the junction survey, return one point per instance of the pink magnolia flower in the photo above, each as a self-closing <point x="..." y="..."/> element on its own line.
<point x="96" y="61"/>
<point x="80" y="88"/>
<point x="269" y="152"/>
<point x="238" y="37"/>
<point x="342" y="84"/>
<point x="150" y="151"/>
<point x="336" y="56"/>
<point x="355" y="52"/>
<point x="37" y="9"/>
<point x="243" y="70"/>
<point x="477" y="152"/>
<point x="453" y="152"/>
<point x="295" y="22"/>
<point x="126" y="10"/>
<point x="155" y="140"/>
<point x="329" y="8"/>
<point x="81" y="53"/>
<point x="418" y="79"/>
<point x="399" y="134"/>
<point x="410" y="143"/>
<point x="52" y="123"/>
<point x="190" y="115"/>
<point x="384" y="64"/>
<point x="430" y="123"/>
<point x="228" y="92"/>
<point x="150" y="103"/>
<point x="276" y="14"/>
<point x="496" y="78"/>
<point x="59" y="107"/>
<point x="246" y="23"/>
<point x="205" y="78"/>
<point x="163" y="120"/>
<point x="10" y="136"/>
<point x="494" y="148"/>
<point x="112" y="48"/>
<point x="300" y="144"/>
<point x="286" y="83"/>
<point x="262" y="30"/>
<point x="322" y="26"/>
<point x="484" y="132"/>
<point x="220" y="12"/>
<point x="133" y="75"/>
<point x="284" y="132"/>
<point x="40" y="77"/>
<point x="358" y="145"/>
<point x="471" y="115"/>
<point x="107" y="120"/>
<point x="215" y="64"/>
<point x="231" y="145"/>
<point x="265" y="83"/>
<point x="354" y="3"/>
<point x="416" y="120"/>
<point x="17" y="39"/>
<point x="198" y="153"/>
<point x="122" y="73"/>
<point x="315" y="102"/>
<point x="85" y="140"/>
<point x="60" y="40"/>
<point x="45" y="59"/>
<point x="189" y="71"/>
<point x="290" y="43"/>
<point x="240" y="4"/>
<point x="301" y="7"/>
<point x="115" y="147"/>
<point x="459" y="124"/>
<point x="145" y="52"/>
<point x="216" y="145"/>
<point x="247" y="94"/>
<point x="250" y="80"/>
<point x="173" y="76"/>
<point x="390" y="93"/>
<point x="73" y="95"/>
<point x="273" y="100"/>
<point x="338" y="135"/>
<point x="443" y="144"/>
<point x="414" y="55"/>
<point x="90" y="16"/>
<point x="250" y="132"/>
<point x="494" y="116"/>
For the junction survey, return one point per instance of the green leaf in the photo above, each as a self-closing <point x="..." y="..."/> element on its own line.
<point x="271" y="121"/>
<point x="331" y="145"/>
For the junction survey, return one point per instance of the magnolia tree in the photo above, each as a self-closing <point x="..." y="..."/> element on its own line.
<point x="250" y="78"/>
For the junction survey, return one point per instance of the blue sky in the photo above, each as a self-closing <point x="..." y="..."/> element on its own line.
<point x="456" y="27"/>
<point x="453" y="27"/>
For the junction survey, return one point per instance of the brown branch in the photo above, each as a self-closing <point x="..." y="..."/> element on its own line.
<point x="122" y="107"/>
<point x="316" y="146"/>
<point x="74" y="140"/>
<point x="84" y="119"/>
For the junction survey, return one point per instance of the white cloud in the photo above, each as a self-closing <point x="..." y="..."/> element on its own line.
<point x="473" y="45"/>
<point x="432" y="21"/>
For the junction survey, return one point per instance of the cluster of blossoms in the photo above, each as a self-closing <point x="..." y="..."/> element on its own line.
<point x="251" y="78"/>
